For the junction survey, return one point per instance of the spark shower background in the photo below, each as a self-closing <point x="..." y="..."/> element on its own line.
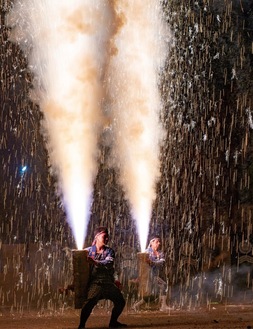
<point x="204" y="198"/>
<point x="96" y="64"/>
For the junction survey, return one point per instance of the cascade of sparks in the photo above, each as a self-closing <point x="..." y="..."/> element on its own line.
<point x="135" y="104"/>
<point x="79" y="51"/>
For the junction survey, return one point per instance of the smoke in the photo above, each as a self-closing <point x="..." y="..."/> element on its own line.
<point x="66" y="44"/>
<point x="135" y="103"/>
<point x="74" y="47"/>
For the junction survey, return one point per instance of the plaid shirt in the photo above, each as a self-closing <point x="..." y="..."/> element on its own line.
<point x="157" y="283"/>
<point x="157" y="261"/>
<point x="104" y="271"/>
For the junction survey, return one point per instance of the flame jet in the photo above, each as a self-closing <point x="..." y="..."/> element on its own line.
<point x="66" y="44"/>
<point x="139" y="50"/>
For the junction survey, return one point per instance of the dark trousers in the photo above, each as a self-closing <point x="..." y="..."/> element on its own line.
<point x="98" y="291"/>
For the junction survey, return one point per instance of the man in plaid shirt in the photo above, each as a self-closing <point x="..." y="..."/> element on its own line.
<point x="102" y="284"/>
<point x="156" y="285"/>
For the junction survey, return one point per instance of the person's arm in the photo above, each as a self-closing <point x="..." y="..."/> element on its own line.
<point x="109" y="259"/>
<point x="107" y="262"/>
<point x="153" y="261"/>
<point x="157" y="262"/>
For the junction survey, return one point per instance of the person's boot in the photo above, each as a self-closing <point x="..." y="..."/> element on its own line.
<point x="117" y="324"/>
<point x="164" y="307"/>
<point x="137" y="305"/>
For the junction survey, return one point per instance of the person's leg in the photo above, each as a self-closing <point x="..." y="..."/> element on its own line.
<point x="138" y="304"/>
<point x="163" y="295"/>
<point x="114" y="294"/>
<point x="163" y="304"/>
<point x="93" y="297"/>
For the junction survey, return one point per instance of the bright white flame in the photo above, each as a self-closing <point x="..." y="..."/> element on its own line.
<point x="136" y="104"/>
<point x="66" y="42"/>
<point x="142" y="216"/>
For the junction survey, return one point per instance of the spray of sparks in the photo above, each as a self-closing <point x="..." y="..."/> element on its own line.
<point x="135" y="104"/>
<point x="68" y="45"/>
<point x="206" y="171"/>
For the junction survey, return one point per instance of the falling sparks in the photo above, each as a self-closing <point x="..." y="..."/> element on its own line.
<point x="203" y="204"/>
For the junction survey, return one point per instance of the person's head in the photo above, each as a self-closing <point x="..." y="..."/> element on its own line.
<point x="155" y="243"/>
<point x="101" y="235"/>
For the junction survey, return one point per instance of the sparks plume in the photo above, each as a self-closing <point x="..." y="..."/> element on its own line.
<point x="135" y="104"/>
<point x="66" y="45"/>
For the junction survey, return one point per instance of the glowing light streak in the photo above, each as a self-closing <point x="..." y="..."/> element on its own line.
<point x="65" y="42"/>
<point x="136" y="104"/>
<point x="23" y="170"/>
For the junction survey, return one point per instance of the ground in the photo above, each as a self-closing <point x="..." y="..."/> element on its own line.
<point x="214" y="317"/>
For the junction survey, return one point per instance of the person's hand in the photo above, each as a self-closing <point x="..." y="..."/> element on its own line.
<point x="92" y="261"/>
<point x="148" y="261"/>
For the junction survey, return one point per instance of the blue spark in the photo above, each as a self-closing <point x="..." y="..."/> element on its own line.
<point x="23" y="169"/>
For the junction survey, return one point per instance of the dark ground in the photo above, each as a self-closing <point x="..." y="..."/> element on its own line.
<point x="215" y="317"/>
